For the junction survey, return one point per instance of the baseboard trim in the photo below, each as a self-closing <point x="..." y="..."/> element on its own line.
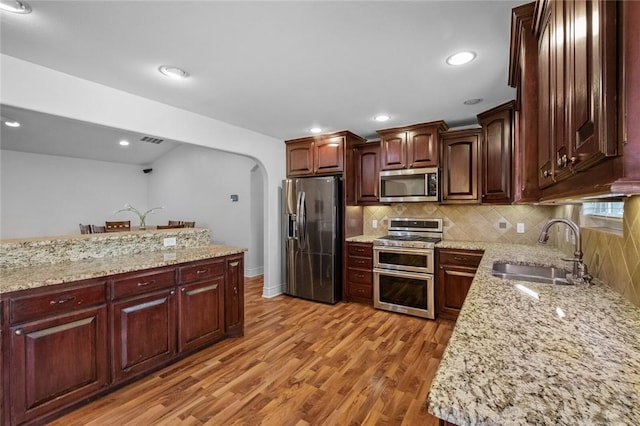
<point x="253" y="272"/>
<point x="269" y="292"/>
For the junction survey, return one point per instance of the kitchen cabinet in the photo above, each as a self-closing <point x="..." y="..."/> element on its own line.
<point x="144" y="322"/>
<point x="410" y="147"/>
<point x="456" y="270"/>
<point x="200" y="304"/>
<point x="56" y="348"/>
<point x="234" y="296"/>
<point x="496" y="150"/>
<point x="67" y="343"/>
<point x="318" y="155"/>
<point x="523" y="76"/>
<point x="367" y="170"/>
<point x="359" y="272"/>
<point x="460" y="166"/>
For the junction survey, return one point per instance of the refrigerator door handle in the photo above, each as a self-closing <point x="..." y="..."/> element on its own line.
<point x="302" y="220"/>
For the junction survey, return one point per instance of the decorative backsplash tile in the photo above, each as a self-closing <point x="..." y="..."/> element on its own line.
<point x="466" y="222"/>
<point x="36" y="251"/>
<point x="613" y="258"/>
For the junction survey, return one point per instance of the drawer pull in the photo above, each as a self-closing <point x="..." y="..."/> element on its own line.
<point x="62" y="301"/>
<point x="202" y="271"/>
<point x="234" y="264"/>
<point x="146" y="283"/>
<point x="18" y="332"/>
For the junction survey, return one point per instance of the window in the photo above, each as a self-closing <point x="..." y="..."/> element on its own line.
<point x="603" y="214"/>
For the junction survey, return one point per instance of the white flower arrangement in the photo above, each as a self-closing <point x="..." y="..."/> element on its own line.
<point x="141" y="216"/>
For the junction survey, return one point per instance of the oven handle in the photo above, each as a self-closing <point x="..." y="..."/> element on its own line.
<point x="402" y="274"/>
<point x="403" y="249"/>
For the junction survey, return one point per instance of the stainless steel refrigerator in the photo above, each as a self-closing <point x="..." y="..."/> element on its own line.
<point x="312" y="258"/>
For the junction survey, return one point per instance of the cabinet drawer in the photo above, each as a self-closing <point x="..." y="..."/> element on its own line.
<point x="143" y="283"/>
<point x="363" y="250"/>
<point x="55" y="302"/>
<point x="360" y="276"/>
<point x="201" y="271"/>
<point x="460" y="258"/>
<point x="360" y="262"/>
<point x="360" y="290"/>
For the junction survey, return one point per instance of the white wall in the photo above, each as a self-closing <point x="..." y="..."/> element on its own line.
<point x="257" y="219"/>
<point x="47" y="195"/>
<point x="195" y="183"/>
<point x="30" y="86"/>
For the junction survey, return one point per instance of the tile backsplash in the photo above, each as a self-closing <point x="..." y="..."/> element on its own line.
<point x="611" y="257"/>
<point x="467" y="222"/>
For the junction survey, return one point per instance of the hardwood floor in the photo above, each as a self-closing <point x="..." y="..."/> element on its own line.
<point x="299" y="363"/>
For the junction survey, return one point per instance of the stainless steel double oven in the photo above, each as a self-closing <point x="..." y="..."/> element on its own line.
<point x="403" y="274"/>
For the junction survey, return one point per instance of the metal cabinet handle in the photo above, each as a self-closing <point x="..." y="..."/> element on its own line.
<point x="234" y="264"/>
<point x="61" y="301"/>
<point x="18" y="332"/>
<point x="183" y="289"/>
<point x="547" y="173"/>
<point x="146" y="283"/>
<point x="172" y="292"/>
<point x="202" y="271"/>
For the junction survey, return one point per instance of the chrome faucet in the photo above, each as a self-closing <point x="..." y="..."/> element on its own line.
<point x="579" y="274"/>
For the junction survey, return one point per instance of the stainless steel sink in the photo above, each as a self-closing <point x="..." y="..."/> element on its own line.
<point x="537" y="274"/>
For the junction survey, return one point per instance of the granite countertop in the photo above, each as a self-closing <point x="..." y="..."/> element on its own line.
<point x="570" y="355"/>
<point x="362" y="238"/>
<point x="13" y="279"/>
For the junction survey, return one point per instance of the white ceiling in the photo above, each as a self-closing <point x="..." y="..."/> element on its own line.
<point x="279" y="68"/>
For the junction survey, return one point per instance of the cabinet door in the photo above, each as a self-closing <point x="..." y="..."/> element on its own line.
<point x="453" y="285"/>
<point x="422" y="147"/>
<point x="234" y="296"/>
<point x="545" y="130"/>
<point x="591" y="80"/>
<point x="393" y="150"/>
<point x="144" y="333"/>
<point x="300" y="158"/>
<point x="497" y="148"/>
<point x="201" y="312"/>
<point x="56" y="362"/>
<point x="460" y="168"/>
<point x="367" y="165"/>
<point x="328" y="155"/>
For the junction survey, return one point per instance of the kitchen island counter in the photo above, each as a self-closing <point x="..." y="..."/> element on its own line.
<point x="13" y="279"/>
<point x="528" y="353"/>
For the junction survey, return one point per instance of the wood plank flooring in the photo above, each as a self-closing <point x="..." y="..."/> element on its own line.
<point x="299" y="363"/>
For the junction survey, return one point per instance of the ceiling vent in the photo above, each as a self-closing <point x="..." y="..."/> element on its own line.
<point x="152" y="140"/>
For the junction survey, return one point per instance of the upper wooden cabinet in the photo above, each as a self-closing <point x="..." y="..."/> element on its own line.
<point x="366" y="159"/>
<point x="460" y="166"/>
<point x="319" y="155"/>
<point x="410" y="147"/>
<point x="496" y="150"/>
<point x="523" y="75"/>
<point x="585" y="90"/>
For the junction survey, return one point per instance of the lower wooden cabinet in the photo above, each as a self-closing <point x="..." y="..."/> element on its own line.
<point x="64" y="344"/>
<point x="55" y="359"/>
<point x="234" y="296"/>
<point x="456" y="270"/>
<point x="359" y="286"/>
<point x="201" y="305"/>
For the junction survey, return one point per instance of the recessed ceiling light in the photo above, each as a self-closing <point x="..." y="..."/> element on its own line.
<point x="461" y="58"/>
<point x="382" y="117"/>
<point x="173" y="72"/>
<point x="15" y="6"/>
<point x="315" y="130"/>
<point x="124" y="142"/>
<point x="12" y="123"/>
<point x="473" y="101"/>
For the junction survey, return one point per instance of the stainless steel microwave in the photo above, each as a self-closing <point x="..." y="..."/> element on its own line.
<point x="409" y="185"/>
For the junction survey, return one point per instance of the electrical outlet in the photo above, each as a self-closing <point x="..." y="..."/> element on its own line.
<point x="374" y="224"/>
<point x="170" y="242"/>
<point x="520" y="228"/>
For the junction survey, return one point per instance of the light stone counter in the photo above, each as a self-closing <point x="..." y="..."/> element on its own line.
<point x="362" y="239"/>
<point x="569" y="356"/>
<point x="14" y="279"/>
